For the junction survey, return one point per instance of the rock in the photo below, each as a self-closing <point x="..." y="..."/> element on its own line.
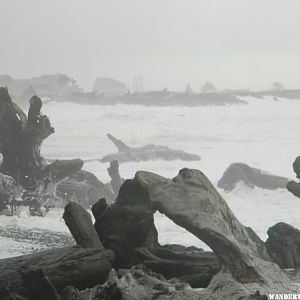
<point x="293" y="186"/>
<point x="283" y="245"/>
<point x="240" y="172"/>
<point x="192" y="202"/>
<point x="83" y="188"/>
<point x="147" y="152"/>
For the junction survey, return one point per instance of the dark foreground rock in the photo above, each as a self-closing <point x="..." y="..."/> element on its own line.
<point x="240" y="172"/>
<point x="283" y="245"/>
<point x="147" y="152"/>
<point x="83" y="188"/>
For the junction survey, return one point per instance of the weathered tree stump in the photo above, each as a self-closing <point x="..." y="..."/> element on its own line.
<point x="147" y="152"/>
<point x="80" y="224"/>
<point x="21" y="138"/>
<point x="116" y="180"/>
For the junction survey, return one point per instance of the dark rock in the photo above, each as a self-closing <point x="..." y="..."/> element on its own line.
<point x="283" y="245"/>
<point x="83" y="188"/>
<point x="240" y="172"/>
<point x="292" y="186"/>
<point x="147" y="152"/>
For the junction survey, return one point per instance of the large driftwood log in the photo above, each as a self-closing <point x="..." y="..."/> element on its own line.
<point x="196" y="268"/>
<point x="80" y="224"/>
<point x="20" y="142"/>
<point x="73" y="266"/>
<point x="147" y="152"/>
<point x="192" y="202"/>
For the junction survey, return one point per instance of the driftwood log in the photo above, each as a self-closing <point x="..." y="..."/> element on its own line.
<point x="192" y="202"/>
<point x="38" y="285"/>
<point x="196" y="268"/>
<point x="138" y="283"/>
<point x="147" y="152"/>
<point x="73" y="266"/>
<point x="21" y="138"/>
<point x="80" y="224"/>
<point x="116" y="180"/>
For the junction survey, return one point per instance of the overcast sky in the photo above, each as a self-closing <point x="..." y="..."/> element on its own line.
<point x="233" y="43"/>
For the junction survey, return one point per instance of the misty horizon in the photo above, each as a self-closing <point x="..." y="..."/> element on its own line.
<point x="234" y="45"/>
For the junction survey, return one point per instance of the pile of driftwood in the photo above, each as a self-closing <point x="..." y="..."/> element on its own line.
<point x="119" y="257"/>
<point x="32" y="179"/>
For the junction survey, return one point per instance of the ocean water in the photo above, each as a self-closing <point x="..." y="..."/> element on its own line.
<point x="263" y="134"/>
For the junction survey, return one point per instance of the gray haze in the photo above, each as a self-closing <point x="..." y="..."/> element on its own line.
<point x="233" y="43"/>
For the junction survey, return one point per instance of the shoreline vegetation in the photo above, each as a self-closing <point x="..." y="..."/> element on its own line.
<point x="108" y="91"/>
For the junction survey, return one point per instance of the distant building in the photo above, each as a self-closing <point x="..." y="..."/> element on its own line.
<point x="109" y="87"/>
<point x="208" y="87"/>
<point x="52" y="86"/>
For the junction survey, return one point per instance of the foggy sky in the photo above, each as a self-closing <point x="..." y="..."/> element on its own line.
<point x="233" y="43"/>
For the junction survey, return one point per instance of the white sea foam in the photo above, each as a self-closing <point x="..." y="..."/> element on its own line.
<point x="263" y="134"/>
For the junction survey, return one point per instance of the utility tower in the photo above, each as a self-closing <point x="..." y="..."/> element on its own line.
<point x="138" y="84"/>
